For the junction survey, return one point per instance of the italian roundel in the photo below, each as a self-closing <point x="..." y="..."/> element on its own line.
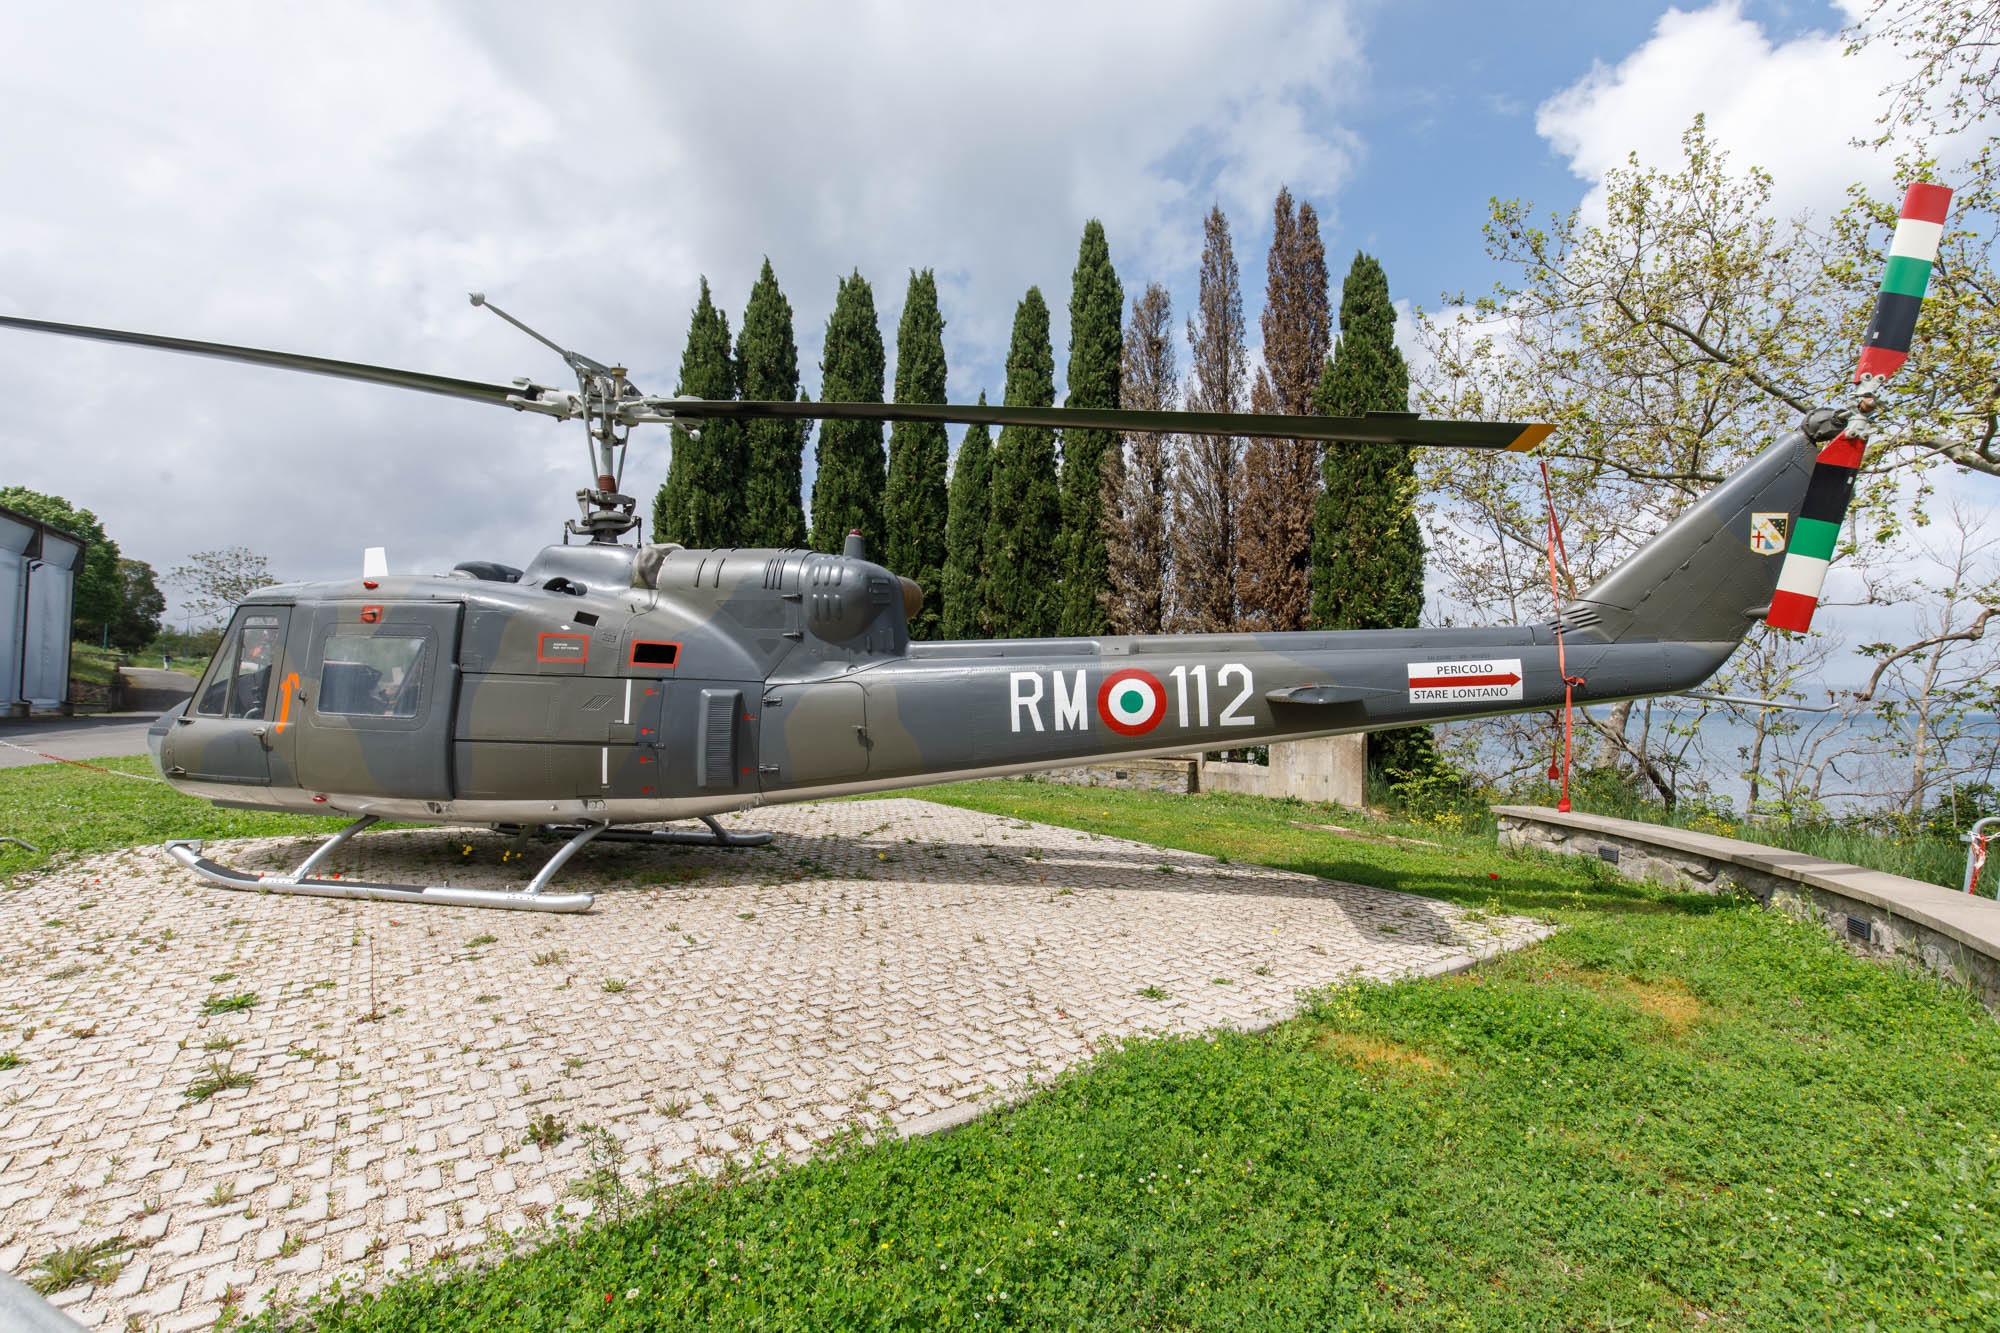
<point x="1131" y="702"/>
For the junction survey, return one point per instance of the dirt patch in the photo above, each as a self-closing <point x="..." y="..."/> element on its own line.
<point x="1377" y="1054"/>
<point x="1667" y="999"/>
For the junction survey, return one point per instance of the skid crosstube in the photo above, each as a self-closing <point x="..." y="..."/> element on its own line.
<point x="187" y="851"/>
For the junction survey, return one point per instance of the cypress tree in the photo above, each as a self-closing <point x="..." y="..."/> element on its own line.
<point x="915" y="505"/>
<point x="767" y="362"/>
<point x="847" y="493"/>
<point x="1096" y="304"/>
<point x="965" y="534"/>
<point x="1209" y="474"/>
<point x="1137" y="492"/>
<point x="1023" y="532"/>
<point x="1368" y="552"/>
<point x="698" y="503"/>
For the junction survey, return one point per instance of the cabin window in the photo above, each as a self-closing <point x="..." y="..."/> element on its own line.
<point x="239" y="679"/>
<point x="363" y="675"/>
<point x="651" y="652"/>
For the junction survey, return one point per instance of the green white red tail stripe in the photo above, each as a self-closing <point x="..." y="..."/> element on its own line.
<point x="1912" y="251"/>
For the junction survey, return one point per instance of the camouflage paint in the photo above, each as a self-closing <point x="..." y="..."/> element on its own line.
<point x="633" y="685"/>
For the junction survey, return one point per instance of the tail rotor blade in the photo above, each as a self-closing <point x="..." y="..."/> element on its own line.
<point x="1815" y="532"/>
<point x="1912" y="252"/>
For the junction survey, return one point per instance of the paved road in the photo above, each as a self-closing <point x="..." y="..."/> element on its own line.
<point x="102" y="736"/>
<point x="99" y="737"/>
<point x="151" y="690"/>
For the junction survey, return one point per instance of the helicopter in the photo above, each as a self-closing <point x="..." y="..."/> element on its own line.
<point x="611" y="684"/>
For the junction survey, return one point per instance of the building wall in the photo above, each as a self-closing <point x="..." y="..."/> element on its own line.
<point x="38" y="567"/>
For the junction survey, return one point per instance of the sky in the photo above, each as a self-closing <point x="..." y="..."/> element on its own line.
<point x="333" y="180"/>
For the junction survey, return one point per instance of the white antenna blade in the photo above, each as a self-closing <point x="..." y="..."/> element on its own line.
<point x="375" y="562"/>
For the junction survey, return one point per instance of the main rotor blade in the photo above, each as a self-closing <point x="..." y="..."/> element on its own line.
<point x="1375" y="428"/>
<point x="257" y="356"/>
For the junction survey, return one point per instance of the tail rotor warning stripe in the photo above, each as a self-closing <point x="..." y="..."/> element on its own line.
<point x="1912" y="252"/>
<point x="1905" y="278"/>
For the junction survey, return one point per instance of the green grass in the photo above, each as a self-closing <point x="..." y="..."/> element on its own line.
<point x="61" y="808"/>
<point x="99" y="666"/>
<point x="92" y="664"/>
<point x="1911" y="852"/>
<point x="191" y="667"/>
<point x="1680" y="1113"/>
<point x="229" y="1004"/>
<point x="1916" y="856"/>
<point x="73" y="1265"/>
<point x="218" y="1077"/>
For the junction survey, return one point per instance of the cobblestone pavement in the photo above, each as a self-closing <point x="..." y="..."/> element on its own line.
<point x="882" y="963"/>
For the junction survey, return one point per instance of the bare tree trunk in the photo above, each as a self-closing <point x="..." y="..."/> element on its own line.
<point x="1756" y="774"/>
<point x="1613" y="728"/>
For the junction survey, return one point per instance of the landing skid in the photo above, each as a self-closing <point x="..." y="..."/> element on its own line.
<point x="187" y="851"/>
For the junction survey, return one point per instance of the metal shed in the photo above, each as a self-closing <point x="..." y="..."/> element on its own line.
<point x="38" y="568"/>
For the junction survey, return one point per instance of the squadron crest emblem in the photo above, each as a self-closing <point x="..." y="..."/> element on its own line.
<point x="1767" y="533"/>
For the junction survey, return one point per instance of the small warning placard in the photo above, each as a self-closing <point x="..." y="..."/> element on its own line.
<point x="1492" y="678"/>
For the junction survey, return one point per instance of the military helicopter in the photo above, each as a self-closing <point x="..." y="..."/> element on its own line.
<point x="608" y="685"/>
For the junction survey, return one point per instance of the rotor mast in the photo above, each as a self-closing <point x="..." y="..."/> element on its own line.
<point x="603" y="397"/>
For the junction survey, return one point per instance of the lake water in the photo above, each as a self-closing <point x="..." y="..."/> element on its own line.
<point x="1878" y="762"/>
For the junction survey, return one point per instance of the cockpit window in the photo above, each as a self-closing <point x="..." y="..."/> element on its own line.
<point x="239" y="679"/>
<point x="371" y="675"/>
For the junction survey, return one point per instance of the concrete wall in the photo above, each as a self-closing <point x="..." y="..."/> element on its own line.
<point x="1180" y="776"/>
<point x="16" y="535"/>
<point x="46" y="627"/>
<point x="1950" y="935"/>
<point x="38" y="567"/>
<point x="1331" y="769"/>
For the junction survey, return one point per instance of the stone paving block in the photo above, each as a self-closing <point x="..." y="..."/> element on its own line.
<point x="188" y="1321"/>
<point x="869" y="991"/>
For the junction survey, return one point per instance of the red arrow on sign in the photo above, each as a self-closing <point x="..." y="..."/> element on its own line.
<point x="1440" y="682"/>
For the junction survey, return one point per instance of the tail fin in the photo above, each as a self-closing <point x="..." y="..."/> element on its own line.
<point x="1711" y="574"/>
<point x="1714" y="572"/>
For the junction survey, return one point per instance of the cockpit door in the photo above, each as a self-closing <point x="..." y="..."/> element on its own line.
<point x="241" y="724"/>
<point x="378" y="688"/>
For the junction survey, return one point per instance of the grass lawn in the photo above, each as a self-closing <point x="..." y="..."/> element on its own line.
<point x="92" y="664"/>
<point x="61" y="808"/>
<point x="1681" y="1112"/>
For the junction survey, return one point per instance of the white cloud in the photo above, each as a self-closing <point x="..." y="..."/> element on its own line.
<point x="1793" y="108"/>
<point x="332" y="180"/>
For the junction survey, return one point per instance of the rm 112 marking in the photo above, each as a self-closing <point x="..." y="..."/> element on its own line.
<point x="1131" y="702"/>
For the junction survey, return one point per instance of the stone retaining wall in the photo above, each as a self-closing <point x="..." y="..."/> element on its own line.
<point x="1179" y="776"/>
<point x="1951" y="935"/>
<point x="1329" y="769"/>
